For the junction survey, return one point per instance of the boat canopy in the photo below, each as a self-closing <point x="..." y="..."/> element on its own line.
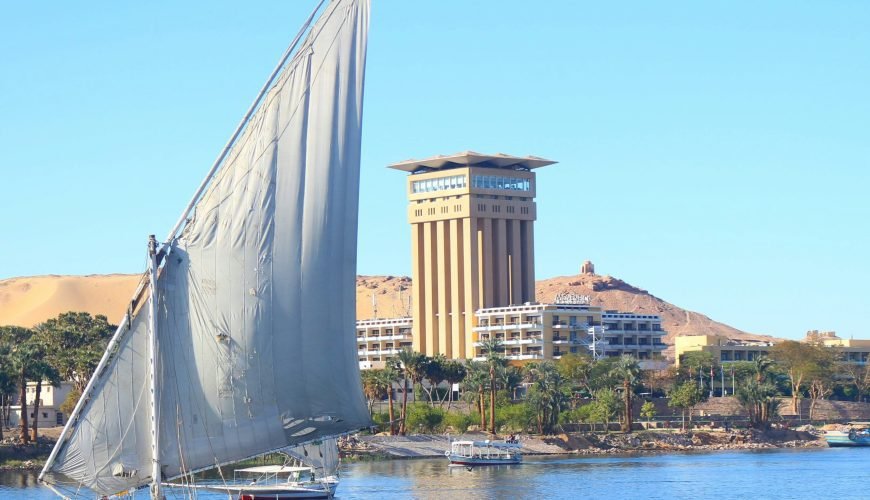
<point x="274" y="469"/>
<point x="483" y="444"/>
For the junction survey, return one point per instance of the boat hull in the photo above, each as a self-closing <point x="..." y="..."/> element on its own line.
<point x="839" y="439"/>
<point x="460" y="460"/>
<point x="277" y="492"/>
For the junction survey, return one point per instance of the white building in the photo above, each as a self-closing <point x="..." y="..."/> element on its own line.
<point x="51" y="397"/>
<point x="379" y="340"/>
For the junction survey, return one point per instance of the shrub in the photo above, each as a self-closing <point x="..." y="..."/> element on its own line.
<point x="424" y="418"/>
<point x="514" y="417"/>
<point x="458" y="421"/>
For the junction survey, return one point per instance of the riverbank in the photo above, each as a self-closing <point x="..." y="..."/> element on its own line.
<point x="430" y="446"/>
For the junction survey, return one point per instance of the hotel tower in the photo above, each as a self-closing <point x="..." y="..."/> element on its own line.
<point x="472" y="243"/>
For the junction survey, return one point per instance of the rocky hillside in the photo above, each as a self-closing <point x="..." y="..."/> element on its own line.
<point x="31" y="300"/>
<point x="613" y="293"/>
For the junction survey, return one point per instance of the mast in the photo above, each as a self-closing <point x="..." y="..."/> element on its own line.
<point x="152" y="360"/>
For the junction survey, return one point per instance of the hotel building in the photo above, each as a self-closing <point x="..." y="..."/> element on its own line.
<point x="727" y="350"/>
<point x="472" y="243"/>
<point x="547" y="331"/>
<point x="378" y="340"/>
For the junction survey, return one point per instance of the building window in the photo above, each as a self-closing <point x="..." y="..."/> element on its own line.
<point x="439" y="184"/>
<point x="500" y="182"/>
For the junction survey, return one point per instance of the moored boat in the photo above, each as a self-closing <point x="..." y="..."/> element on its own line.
<point x="275" y="482"/>
<point x="852" y="437"/>
<point x="471" y="453"/>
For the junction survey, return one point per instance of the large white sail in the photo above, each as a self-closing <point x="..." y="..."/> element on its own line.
<point x="255" y="300"/>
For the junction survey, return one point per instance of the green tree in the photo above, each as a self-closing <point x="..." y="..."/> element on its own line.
<point x="371" y="387"/>
<point x="760" y="400"/>
<point x="800" y="361"/>
<point x="855" y="374"/>
<point x="685" y="397"/>
<point x="412" y="366"/>
<point x="605" y="406"/>
<point x="454" y="373"/>
<point x="23" y="354"/>
<point x="547" y="396"/>
<point x="75" y="342"/>
<point x="435" y="374"/>
<point x="475" y="379"/>
<point x="492" y="349"/>
<point x="648" y="411"/>
<point x="627" y="370"/>
<point x="576" y="369"/>
<point x="510" y="378"/>
<point x="41" y="370"/>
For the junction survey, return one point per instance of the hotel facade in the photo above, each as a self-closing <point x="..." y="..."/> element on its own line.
<point x="472" y="243"/>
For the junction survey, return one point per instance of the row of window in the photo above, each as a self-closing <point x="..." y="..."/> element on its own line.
<point x="498" y="182"/>
<point x="440" y="184"/>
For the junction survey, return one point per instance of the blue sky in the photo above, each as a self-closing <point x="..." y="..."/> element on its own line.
<point x="714" y="153"/>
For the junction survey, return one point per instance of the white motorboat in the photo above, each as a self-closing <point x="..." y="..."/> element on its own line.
<point x="275" y="482"/>
<point x="471" y="453"/>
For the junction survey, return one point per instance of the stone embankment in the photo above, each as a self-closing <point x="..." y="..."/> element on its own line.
<point x="429" y="446"/>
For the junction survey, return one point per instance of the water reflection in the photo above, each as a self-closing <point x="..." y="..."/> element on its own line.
<point x="815" y="473"/>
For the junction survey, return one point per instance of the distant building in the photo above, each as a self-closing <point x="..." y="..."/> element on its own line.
<point x="472" y="243"/>
<point x="379" y="340"/>
<point x="547" y="331"/>
<point x="726" y="350"/>
<point x="51" y="397"/>
<point x="722" y="348"/>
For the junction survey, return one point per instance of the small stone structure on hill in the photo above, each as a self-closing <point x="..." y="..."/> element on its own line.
<point x="587" y="268"/>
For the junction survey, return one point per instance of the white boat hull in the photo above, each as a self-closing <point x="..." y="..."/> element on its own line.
<point x="469" y="461"/>
<point x="274" y="491"/>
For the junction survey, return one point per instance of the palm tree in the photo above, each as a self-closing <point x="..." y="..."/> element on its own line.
<point x="413" y="367"/>
<point x="547" y="395"/>
<point x="475" y="379"/>
<point x="492" y="349"/>
<point x="511" y="378"/>
<point x="762" y="366"/>
<point x="22" y="357"/>
<point x="371" y="387"/>
<point x="454" y="373"/>
<point x="628" y="370"/>
<point x="386" y="379"/>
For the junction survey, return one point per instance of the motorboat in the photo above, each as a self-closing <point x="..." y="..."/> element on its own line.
<point x="472" y="453"/>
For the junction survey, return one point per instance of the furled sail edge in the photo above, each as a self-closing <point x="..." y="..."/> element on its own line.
<point x="101" y="369"/>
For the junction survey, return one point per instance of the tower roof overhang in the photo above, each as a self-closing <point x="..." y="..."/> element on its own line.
<point x="472" y="159"/>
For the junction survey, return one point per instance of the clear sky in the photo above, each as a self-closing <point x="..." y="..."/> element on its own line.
<point x="714" y="153"/>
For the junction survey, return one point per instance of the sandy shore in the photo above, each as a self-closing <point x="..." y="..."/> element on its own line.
<point x="431" y="446"/>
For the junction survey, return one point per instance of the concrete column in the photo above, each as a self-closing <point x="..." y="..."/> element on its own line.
<point x="430" y="302"/>
<point x="444" y="281"/>
<point x="499" y="252"/>
<point x="528" y="243"/>
<point x="485" y="242"/>
<point x="471" y="285"/>
<point x="515" y="255"/>
<point x="457" y="251"/>
<point x="418" y="287"/>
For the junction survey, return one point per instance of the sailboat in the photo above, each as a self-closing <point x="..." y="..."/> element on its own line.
<point x="238" y="341"/>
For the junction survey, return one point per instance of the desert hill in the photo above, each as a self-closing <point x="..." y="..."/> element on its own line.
<point x="28" y="301"/>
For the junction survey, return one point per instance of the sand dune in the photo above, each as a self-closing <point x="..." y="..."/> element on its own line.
<point x="29" y="301"/>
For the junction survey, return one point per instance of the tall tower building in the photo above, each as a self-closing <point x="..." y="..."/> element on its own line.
<point x="472" y="243"/>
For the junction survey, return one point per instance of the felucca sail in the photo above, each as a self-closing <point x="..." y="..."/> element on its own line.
<point x="256" y="297"/>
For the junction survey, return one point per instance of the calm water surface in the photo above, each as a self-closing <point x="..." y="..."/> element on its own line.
<point x="811" y="473"/>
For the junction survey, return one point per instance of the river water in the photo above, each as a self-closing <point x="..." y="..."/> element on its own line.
<point x="785" y="473"/>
